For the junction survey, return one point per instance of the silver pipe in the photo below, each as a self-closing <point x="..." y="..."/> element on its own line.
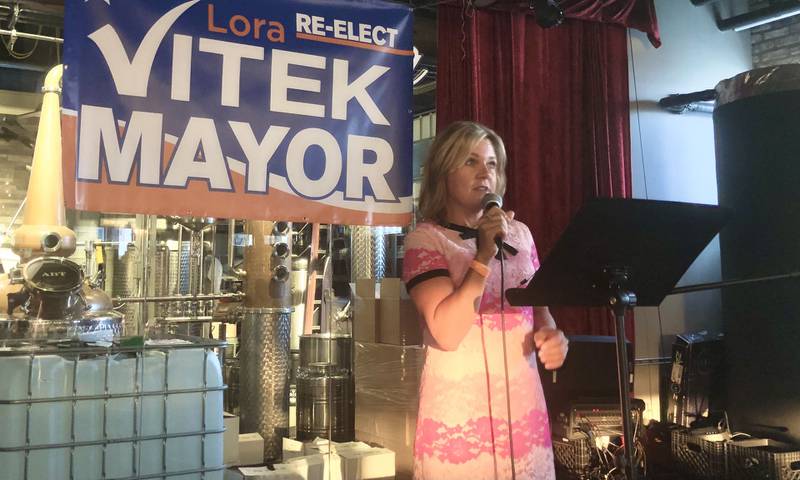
<point x="214" y="241"/>
<point x="653" y="361"/>
<point x="14" y="218"/>
<point x="143" y="289"/>
<point x="94" y="243"/>
<point x="231" y="233"/>
<point x="199" y="318"/>
<point x="755" y="18"/>
<point x="195" y="262"/>
<point x="110" y="441"/>
<point x="202" y="258"/>
<point x="180" y="252"/>
<point x="33" y="36"/>
<point x="177" y="298"/>
<point x="111" y="396"/>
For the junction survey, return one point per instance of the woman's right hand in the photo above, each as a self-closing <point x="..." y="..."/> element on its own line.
<point x="492" y="226"/>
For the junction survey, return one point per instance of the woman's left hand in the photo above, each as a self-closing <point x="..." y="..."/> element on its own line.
<point x="552" y="345"/>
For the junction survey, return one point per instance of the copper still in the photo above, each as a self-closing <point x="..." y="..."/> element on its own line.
<point x="46" y="295"/>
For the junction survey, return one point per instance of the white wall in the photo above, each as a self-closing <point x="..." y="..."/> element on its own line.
<point x="673" y="157"/>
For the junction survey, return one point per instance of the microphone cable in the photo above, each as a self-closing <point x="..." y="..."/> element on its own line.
<point x="505" y="363"/>
<point x="489" y="200"/>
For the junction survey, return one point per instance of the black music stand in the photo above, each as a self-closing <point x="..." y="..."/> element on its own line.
<point x="621" y="253"/>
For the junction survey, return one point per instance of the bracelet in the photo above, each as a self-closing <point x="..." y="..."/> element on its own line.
<point x="479" y="268"/>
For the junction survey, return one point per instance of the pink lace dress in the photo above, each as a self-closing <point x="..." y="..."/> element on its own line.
<point x="462" y="426"/>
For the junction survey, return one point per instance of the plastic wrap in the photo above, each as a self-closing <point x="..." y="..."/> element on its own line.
<point x="387" y="396"/>
<point x="94" y="326"/>
<point x="761" y="81"/>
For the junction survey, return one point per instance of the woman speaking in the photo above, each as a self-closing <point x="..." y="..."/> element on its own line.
<point x="482" y="414"/>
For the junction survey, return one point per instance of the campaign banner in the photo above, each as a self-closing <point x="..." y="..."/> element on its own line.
<point x="293" y="110"/>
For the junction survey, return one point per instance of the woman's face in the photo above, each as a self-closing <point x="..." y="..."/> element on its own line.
<point x="477" y="176"/>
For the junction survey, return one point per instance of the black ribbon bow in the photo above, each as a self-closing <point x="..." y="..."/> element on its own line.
<point x="467" y="233"/>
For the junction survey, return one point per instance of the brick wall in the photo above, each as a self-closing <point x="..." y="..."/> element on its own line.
<point x="775" y="43"/>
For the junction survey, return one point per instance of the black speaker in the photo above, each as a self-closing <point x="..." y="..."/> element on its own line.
<point x="757" y="144"/>
<point x="695" y="378"/>
<point x="588" y="375"/>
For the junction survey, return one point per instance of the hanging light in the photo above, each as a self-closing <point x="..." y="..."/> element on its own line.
<point x="548" y="12"/>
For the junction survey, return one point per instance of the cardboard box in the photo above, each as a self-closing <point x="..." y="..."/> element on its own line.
<point x="321" y="446"/>
<point x="251" y="449"/>
<point x="347" y="461"/>
<point x="291" y="448"/>
<point x="318" y="467"/>
<point x="356" y="460"/>
<point x="398" y="322"/>
<point x="366" y="288"/>
<point x="365" y="319"/>
<point x="281" y="472"/>
<point x="403" y="453"/>
<point x="230" y="439"/>
<point x="367" y="464"/>
<point x="393" y="288"/>
<point x="365" y="310"/>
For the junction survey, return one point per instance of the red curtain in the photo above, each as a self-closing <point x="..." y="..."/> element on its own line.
<point x="559" y="99"/>
<point x="638" y="14"/>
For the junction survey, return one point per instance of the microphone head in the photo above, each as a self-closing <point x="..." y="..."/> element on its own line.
<point x="491" y="200"/>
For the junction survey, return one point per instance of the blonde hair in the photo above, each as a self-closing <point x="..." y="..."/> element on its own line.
<point x="449" y="151"/>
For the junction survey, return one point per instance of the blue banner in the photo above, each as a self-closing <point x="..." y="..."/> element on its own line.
<point x="296" y="110"/>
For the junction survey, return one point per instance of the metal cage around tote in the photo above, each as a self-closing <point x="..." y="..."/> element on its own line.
<point x="73" y="411"/>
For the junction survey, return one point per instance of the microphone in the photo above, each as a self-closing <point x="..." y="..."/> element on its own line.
<point x="489" y="201"/>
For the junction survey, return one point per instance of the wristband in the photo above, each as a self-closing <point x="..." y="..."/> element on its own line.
<point x="479" y="268"/>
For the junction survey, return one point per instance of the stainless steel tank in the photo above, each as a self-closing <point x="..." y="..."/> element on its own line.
<point x="334" y="349"/>
<point x="326" y="387"/>
<point x="378" y="253"/>
<point x="162" y="278"/>
<point x="361" y="249"/>
<point x="324" y="401"/>
<point x="184" y="267"/>
<point x="264" y="376"/>
<point x="174" y="270"/>
<point x="126" y="284"/>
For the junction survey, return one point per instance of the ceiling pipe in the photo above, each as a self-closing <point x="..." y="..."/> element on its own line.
<point x="14" y="34"/>
<point x="701" y="101"/>
<point x="759" y="17"/>
<point x="23" y="14"/>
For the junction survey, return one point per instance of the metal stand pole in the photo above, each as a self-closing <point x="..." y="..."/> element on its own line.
<point x="620" y="301"/>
